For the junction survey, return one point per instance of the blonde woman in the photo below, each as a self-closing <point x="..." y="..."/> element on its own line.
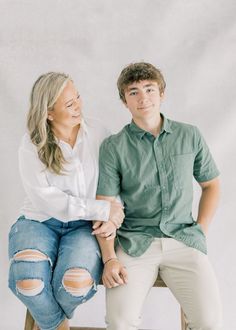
<point x="55" y="260"/>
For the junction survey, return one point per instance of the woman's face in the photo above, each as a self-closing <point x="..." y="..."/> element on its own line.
<point x="67" y="109"/>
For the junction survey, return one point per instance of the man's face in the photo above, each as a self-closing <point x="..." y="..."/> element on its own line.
<point x="143" y="99"/>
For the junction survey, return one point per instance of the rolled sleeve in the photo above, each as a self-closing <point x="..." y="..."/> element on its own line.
<point x="109" y="176"/>
<point x="100" y="209"/>
<point x="204" y="165"/>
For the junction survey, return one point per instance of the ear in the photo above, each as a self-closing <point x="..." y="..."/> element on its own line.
<point x="50" y="117"/>
<point x="125" y="104"/>
<point x="162" y="95"/>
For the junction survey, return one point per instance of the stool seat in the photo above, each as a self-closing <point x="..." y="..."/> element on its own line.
<point x="29" y="321"/>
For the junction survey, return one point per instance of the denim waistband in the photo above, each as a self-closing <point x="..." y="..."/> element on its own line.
<point x="60" y="224"/>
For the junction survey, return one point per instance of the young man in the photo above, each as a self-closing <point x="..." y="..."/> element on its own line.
<point x="150" y="163"/>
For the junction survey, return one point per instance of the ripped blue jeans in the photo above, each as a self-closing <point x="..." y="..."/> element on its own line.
<point x="64" y="258"/>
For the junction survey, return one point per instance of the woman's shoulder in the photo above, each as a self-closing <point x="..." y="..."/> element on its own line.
<point x="26" y="143"/>
<point x="95" y="127"/>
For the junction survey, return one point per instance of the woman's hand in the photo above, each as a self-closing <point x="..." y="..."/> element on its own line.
<point x="108" y="229"/>
<point x="104" y="229"/>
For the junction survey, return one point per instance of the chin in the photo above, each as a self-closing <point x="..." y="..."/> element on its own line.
<point x="76" y="122"/>
<point x="77" y="119"/>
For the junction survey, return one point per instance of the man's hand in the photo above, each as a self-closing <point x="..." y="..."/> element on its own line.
<point x="114" y="274"/>
<point x="104" y="229"/>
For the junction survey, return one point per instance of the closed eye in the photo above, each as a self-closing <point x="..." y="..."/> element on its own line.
<point x="72" y="102"/>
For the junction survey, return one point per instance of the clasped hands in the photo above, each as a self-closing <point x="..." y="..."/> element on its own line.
<point x="108" y="229"/>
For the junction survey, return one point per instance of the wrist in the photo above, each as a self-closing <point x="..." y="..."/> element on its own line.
<point x="116" y="224"/>
<point x="203" y="226"/>
<point x="109" y="259"/>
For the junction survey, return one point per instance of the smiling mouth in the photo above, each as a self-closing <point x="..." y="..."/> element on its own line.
<point x="144" y="108"/>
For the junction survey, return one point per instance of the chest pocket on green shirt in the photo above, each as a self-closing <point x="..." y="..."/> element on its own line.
<point x="182" y="167"/>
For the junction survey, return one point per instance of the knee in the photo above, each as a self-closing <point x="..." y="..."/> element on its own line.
<point x="77" y="281"/>
<point x="30" y="255"/>
<point x="28" y="286"/>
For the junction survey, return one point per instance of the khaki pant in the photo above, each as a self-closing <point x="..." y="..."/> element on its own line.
<point x="185" y="270"/>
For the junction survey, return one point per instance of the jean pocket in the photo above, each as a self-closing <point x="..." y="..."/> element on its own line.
<point x="21" y="222"/>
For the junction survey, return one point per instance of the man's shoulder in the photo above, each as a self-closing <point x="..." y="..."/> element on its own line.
<point x="182" y="127"/>
<point x="117" y="138"/>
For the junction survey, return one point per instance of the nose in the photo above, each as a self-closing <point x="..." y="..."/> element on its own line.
<point x="76" y="107"/>
<point x="77" y="104"/>
<point x="142" y="97"/>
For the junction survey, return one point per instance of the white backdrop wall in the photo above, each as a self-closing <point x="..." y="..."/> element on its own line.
<point x="193" y="42"/>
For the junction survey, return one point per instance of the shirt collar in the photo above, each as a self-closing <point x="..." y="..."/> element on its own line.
<point x="139" y="132"/>
<point x="83" y="130"/>
<point x="83" y="125"/>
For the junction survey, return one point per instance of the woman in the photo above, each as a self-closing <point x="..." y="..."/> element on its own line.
<point x="55" y="261"/>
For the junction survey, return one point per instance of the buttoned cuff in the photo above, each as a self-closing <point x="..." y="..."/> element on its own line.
<point x="100" y="209"/>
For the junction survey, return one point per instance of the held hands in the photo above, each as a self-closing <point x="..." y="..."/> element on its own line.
<point x="114" y="273"/>
<point x="108" y="229"/>
<point x="104" y="229"/>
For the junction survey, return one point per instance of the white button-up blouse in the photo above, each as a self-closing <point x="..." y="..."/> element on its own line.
<point x="70" y="196"/>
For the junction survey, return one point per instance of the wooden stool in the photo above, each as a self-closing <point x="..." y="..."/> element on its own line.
<point x="29" y="321"/>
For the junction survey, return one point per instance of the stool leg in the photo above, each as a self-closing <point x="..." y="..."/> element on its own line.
<point x="183" y="320"/>
<point x="29" y="321"/>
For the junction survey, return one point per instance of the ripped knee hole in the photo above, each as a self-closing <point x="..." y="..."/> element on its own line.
<point x="77" y="281"/>
<point x="30" y="255"/>
<point x="30" y="287"/>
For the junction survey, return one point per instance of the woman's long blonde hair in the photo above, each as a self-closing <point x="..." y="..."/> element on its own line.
<point x="44" y="95"/>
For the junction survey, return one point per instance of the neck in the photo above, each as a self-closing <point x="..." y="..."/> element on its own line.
<point x="66" y="134"/>
<point x="151" y="125"/>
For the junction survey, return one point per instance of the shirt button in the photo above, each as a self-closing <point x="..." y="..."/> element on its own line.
<point x="165" y="208"/>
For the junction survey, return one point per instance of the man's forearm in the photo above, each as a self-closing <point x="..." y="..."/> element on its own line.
<point x="107" y="248"/>
<point x="208" y="202"/>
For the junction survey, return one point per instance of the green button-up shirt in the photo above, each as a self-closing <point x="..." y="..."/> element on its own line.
<point x="154" y="178"/>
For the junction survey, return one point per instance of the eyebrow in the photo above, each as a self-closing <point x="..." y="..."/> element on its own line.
<point x="69" y="101"/>
<point x="145" y="86"/>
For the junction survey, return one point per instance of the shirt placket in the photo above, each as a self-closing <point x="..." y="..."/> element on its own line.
<point x="164" y="194"/>
<point x="80" y="171"/>
<point x="81" y="176"/>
